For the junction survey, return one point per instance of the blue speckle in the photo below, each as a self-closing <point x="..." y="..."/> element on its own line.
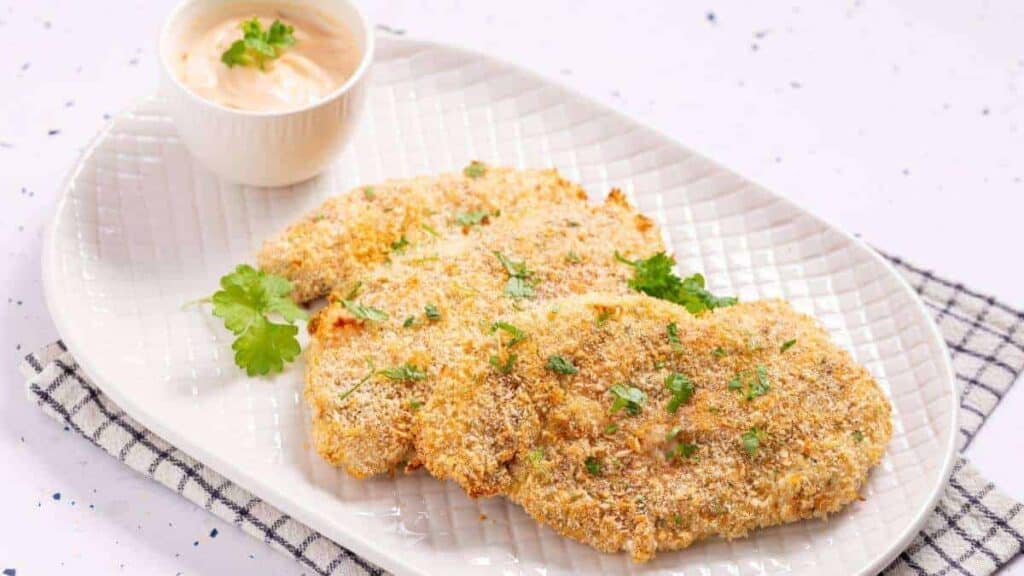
<point x="10" y="572"/>
<point x="53" y="132"/>
<point x="196" y="543"/>
<point x="711" y="17"/>
<point x="213" y="533"/>
<point x="56" y="496"/>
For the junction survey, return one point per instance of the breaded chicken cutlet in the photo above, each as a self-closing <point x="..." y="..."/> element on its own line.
<point x="377" y="350"/>
<point x="629" y="424"/>
<point x="353" y="232"/>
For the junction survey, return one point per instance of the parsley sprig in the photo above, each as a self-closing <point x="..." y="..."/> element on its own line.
<point x="258" y="46"/>
<point x="654" y="276"/>
<point x="248" y="298"/>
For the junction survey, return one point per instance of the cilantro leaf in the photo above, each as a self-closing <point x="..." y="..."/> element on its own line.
<point x="265" y="347"/>
<point x="561" y="365"/>
<point x="246" y="298"/>
<point x="516" y="335"/>
<point x="594" y="466"/>
<point x="628" y="397"/>
<point x="858" y="436"/>
<point x="654" y="276"/>
<point x="405" y="372"/>
<point x="475" y="170"/>
<point x="369" y="193"/>
<point x="431" y="312"/>
<point x="258" y="46"/>
<point x="681" y="388"/>
<point x="364" y="312"/>
<point x="409" y="322"/>
<point x="787" y="345"/>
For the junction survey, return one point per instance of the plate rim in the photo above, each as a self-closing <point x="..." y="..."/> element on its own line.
<point x="366" y="547"/>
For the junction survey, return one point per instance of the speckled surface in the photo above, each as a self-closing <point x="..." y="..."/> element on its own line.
<point x="900" y="121"/>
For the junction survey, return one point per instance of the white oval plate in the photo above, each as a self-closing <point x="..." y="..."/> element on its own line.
<point x="142" y="229"/>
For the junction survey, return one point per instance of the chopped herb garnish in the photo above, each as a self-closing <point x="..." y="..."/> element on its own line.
<point x="400" y="245"/>
<point x="654" y="277"/>
<point x="409" y="322"/>
<point x="678" y="449"/>
<point x="561" y="365"/>
<point x="677" y="519"/>
<point x="594" y="466"/>
<point x="757" y="383"/>
<point x="787" y="345"/>
<point x="611" y="428"/>
<point x="258" y="46"/>
<point x="415" y="405"/>
<point x="503" y="367"/>
<point x="475" y="169"/>
<point x="628" y="397"/>
<point x="572" y="257"/>
<point x="681" y="388"/>
<point x="430" y="230"/>
<point x="673" y="337"/>
<point x="719" y="352"/>
<point x="516" y="335"/>
<point x="353" y="291"/>
<point x="246" y="300"/>
<point x="362" y="381"/>
<point x="536" y="455"/>
<point x="368" y="193"/>
<point x="406" y="372"/>
<point x="519" y="283"/>
<point x="474" y="218"/>
<point x="603" y="317"/>
<point x="751" y="440"/>
<point x="364" y="312"/>
<point x="431" y="312"/>
<point x="858" y="436"/>
<point x="572" y="224"/>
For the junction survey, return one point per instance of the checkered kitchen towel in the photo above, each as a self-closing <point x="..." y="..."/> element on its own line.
<point x="973" y="532"/>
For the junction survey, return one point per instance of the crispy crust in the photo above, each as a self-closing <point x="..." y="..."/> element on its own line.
<point x="353" y="232"/>
<point x="528" y="434"/>
<point x="570" y="248"/>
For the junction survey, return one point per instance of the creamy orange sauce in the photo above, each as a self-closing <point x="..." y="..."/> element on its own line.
<point x="323" y="56"/>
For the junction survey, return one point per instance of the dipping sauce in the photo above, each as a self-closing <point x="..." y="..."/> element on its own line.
<point x="323" y="55"/>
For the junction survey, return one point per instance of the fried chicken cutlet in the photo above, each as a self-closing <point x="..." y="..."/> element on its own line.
<point x="377" y="350"/>
<point x="628" y="424"/>
<point x="352" y="232"/>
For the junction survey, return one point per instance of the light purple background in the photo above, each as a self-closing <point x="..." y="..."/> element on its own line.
<point x="901" y="121"/>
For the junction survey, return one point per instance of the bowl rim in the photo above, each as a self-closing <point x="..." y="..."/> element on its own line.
<point x="365" y="61"/>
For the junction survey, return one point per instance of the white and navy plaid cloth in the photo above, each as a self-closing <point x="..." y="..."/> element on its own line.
<point x="973" y="532"/>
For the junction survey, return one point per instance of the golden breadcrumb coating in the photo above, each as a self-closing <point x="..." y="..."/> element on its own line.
<point x="567" y="248"/>
<point x="352" y="232"/>
<point x="772" y="433"/>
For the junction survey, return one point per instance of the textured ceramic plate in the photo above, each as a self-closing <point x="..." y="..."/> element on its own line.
<point x="142" y="229"/>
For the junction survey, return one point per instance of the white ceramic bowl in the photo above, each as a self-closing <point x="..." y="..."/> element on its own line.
<point x="266" y="148"/>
